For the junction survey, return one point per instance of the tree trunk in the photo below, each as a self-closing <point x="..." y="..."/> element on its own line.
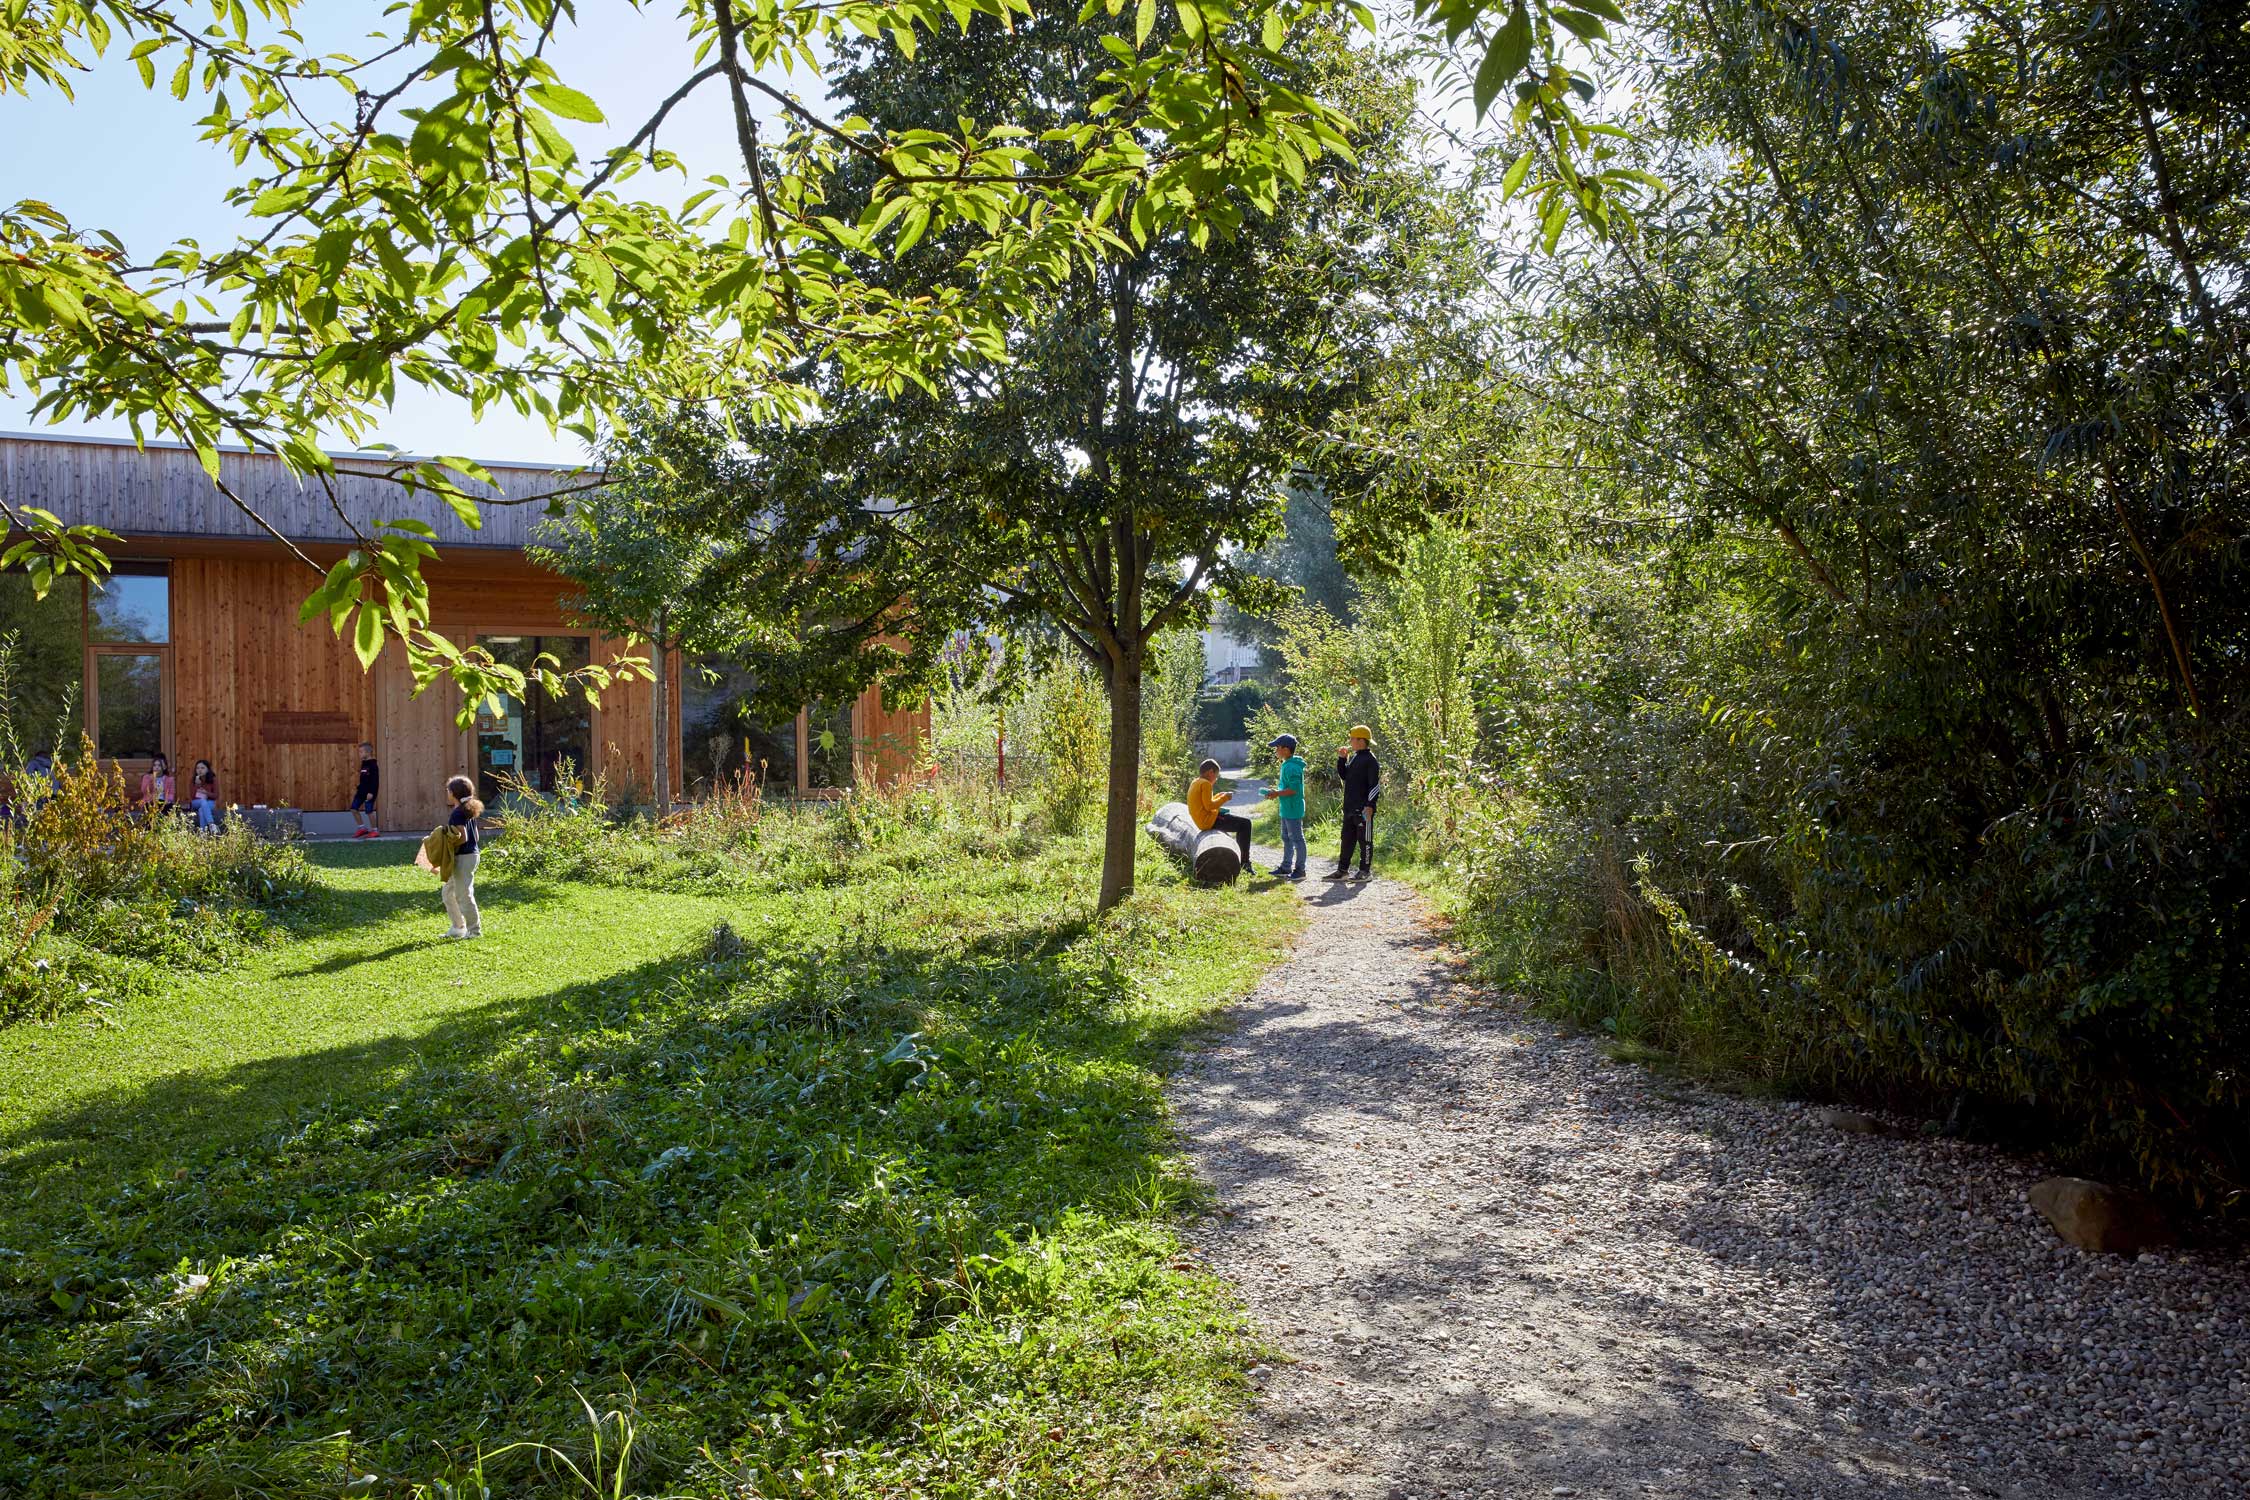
<point x="1121" y="830"/>
<point x="660" y="758"/>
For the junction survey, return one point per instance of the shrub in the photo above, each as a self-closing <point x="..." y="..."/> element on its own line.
<point x="98" y="892"/>
<point x="1067" y="721"/>
<point x="1227" y="716"/>
<point x="1171" y="696"/>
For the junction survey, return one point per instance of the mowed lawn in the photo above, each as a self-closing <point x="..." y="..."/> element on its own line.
<point x="868" y="1190"/>
<point x="356" y="999"/>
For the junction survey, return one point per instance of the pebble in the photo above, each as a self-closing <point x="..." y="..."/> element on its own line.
<point x="1499" y="1262"/>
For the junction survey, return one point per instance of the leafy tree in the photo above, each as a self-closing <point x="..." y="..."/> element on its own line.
<point x="1864" y="531"/>
<point x="1097" y="486"/>
<point x="633" y="565"/>
<point x="422" y="215"/>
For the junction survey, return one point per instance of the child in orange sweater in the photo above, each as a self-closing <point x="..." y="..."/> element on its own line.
<point x="1206" y="806"/>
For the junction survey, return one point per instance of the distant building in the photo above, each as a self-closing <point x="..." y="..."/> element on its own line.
<point x="193" y="647"/>
<point x="1227" y="661"/>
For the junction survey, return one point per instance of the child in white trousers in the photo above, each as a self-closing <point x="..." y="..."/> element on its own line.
<point x="461" y="887"/>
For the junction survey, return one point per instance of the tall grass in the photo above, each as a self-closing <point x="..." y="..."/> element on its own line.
<point x="741" y="838"/>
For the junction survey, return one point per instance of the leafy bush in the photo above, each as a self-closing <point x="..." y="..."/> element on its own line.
<point x="1227" y="714"/>
<point x="102" y="896"/>
<point x="1066" y="717"/>
<point x="1171" y="696"/>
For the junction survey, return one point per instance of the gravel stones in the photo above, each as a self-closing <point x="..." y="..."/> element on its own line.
<point x="1500" y="1264"/>
<point x="1849" y="1121"/>
<point x="2099" y="1218"/>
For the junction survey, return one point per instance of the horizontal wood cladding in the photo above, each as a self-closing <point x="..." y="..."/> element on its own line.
<point x="161" y="491"/>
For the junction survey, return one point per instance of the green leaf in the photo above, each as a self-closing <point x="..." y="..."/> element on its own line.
<point x="1505" y="58"/>
<point x="367" y="640"/>
<point x="1517" y="171"/>
<point x="1587" y="28"/>
<point x="1144" y="22"/>
<point x="567" y="102"/>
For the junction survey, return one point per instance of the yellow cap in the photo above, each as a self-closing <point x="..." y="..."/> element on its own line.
<point x="1362" y="732"/>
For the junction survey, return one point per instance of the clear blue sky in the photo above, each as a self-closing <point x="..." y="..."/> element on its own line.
<point x="127" y="159"/>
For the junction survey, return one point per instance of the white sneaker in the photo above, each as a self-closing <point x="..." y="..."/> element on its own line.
<point x="456" y="933"/>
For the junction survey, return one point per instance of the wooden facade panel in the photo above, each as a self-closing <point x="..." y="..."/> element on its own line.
<point x="624" y="725"/>
<point x="889" y="740"/>
<point x="418" y="743"/>
<point x="238" y="655"/>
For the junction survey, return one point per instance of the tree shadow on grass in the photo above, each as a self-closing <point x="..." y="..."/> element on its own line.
<point x="705" y="1194"/>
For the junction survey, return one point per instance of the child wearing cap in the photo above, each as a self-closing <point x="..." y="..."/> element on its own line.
<point x="1362" y="777"/>
<point x="1288" y="792"/>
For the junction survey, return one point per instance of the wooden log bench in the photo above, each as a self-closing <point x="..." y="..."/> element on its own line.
<point x="1212" y="857"/>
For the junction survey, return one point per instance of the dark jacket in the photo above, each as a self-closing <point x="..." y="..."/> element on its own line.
<point x="370" y="780"/>
<point x="1362" y="777"/>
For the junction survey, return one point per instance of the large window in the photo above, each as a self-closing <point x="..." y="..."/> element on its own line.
<point x="829" y="747"/>
<point x="93" y="659"/>
<point x="538" y="741"/>
<point x="128" y="631"/>
<point x="721" y="742"/>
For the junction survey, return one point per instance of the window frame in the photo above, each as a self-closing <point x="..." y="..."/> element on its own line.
<point x="90" y="672"/>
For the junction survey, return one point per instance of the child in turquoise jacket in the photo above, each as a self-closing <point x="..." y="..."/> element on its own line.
<point x="1289" y="801"/>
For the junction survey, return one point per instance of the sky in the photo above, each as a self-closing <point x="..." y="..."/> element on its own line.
<point x="127" y="159"/>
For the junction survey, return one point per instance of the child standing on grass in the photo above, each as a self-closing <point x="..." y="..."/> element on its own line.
<point x="461" y="884"/>
<point x="363" y="795"/>
<point x="1289" y="802"/>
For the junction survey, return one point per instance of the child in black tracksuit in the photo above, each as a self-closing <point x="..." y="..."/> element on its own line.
<point x="1362" y="776"/>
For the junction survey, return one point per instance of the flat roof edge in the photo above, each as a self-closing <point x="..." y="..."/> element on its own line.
<point x="103" y="440"/>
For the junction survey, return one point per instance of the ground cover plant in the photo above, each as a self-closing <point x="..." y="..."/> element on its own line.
<point x="852" y="1190"/>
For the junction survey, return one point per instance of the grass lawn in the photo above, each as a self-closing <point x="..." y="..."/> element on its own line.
<point x="871" y="1196"/>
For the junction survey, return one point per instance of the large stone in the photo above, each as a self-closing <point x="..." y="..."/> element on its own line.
<point x="2094" y="1216"/>
<point x="1850" y="1121"/>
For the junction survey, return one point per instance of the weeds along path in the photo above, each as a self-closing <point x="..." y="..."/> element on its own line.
<point x="1499" y="1264"/>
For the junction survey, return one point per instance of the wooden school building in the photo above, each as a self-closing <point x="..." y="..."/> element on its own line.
<point x="193" y="649"/>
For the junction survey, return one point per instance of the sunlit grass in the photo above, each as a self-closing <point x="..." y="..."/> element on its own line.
<point x="877" y="1201"/>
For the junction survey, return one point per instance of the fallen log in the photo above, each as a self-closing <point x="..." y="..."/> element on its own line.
<point x="1212" y="857"/>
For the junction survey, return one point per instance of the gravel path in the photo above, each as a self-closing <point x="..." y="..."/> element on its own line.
<point x="1500" y="1264"/>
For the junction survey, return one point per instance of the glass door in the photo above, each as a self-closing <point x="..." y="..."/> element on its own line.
<point x="536" y="743"/>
